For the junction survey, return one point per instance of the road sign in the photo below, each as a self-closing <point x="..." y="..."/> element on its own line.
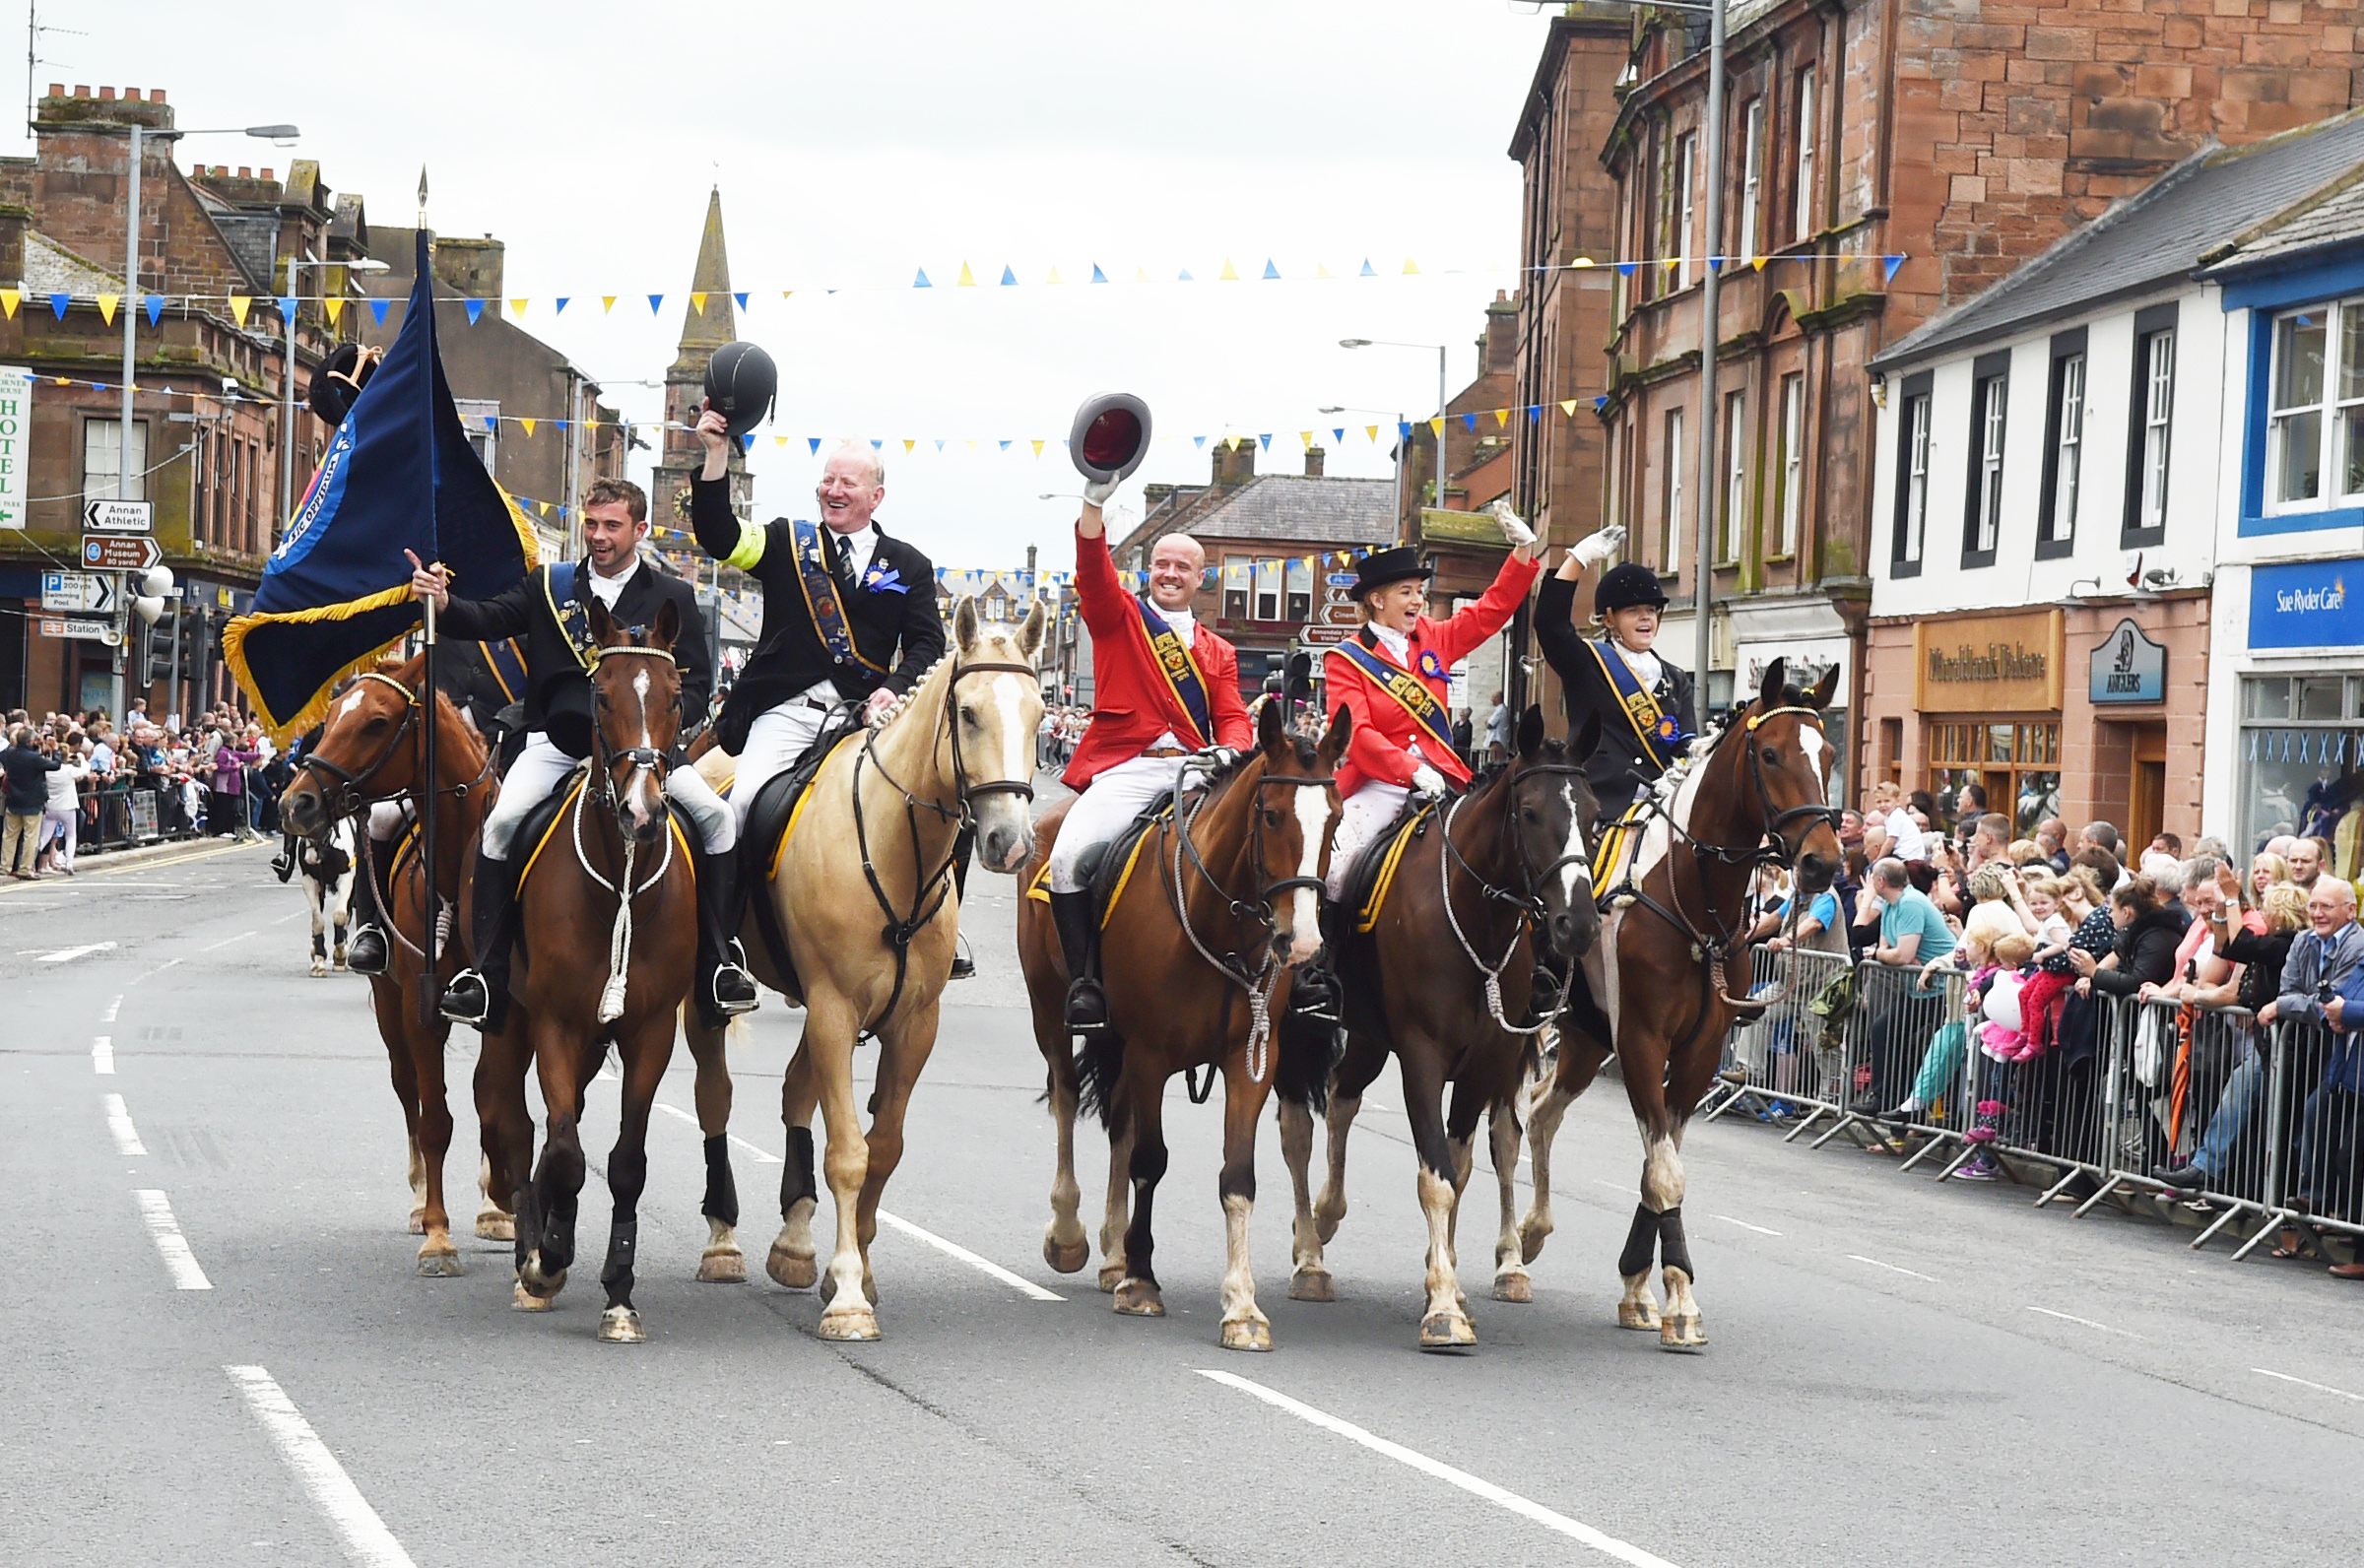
<point x="118" y="517"/>
<point x="77" y="627"/>
<point x="78" y="590"/>
<point x="120" y="552"/>
<point x="1324" y="636"/>
<point x="1340" y="579"/>
<point x="1348" y="616"/>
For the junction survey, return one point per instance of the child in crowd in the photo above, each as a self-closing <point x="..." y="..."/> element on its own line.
<point x="2051" y="979"/>
<point x="2003" y="1037"/>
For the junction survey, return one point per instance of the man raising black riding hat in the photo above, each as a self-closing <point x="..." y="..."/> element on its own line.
<point x="1642" y="700"/>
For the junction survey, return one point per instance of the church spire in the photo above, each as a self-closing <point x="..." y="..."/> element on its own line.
<point x="704" y="331"/>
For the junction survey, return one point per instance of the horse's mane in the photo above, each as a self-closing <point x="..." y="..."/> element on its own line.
<point x="927" y="692"/>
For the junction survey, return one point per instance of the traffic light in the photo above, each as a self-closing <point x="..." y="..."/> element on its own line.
<point x="155" y="653"/>
<point x="191" y="629"/>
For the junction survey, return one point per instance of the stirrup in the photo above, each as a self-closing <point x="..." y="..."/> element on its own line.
<point x="1086" y="997"/>
<point x="743" y="998"/>
<point x="466" y="1000"/>
<point x="1314" y="995"/>
<point x="367" y="952"/>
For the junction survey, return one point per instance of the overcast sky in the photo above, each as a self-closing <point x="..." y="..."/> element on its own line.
<point x="854" y="143"/>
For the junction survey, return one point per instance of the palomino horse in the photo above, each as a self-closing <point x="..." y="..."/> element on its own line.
<point x="1209" y="932"/>
<point x="607" y="928"/>
<point x="1748" y="795"/>
<point x="882" y="815"/>
<point x="1503" y="867"/>
<point x="368" y="751"/>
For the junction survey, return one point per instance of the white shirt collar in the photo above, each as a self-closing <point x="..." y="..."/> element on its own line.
<point x="606" y="589"/>
<point x="1184" y="620"/>
<point x="858" y="546"/>
<point x="1396" y="642"/>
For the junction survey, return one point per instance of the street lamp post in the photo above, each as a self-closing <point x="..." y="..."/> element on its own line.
<point x="1703" y="569"/>
<point x="1383" y="343"/>
<point x="287" y="373"/>
<point x="1401" y="444"/>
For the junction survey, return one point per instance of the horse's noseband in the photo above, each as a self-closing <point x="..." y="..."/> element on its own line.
<point x="348" y="783"/>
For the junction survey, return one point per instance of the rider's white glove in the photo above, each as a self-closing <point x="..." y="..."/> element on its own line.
<point x="1426" y="781"/>
<point x="1596" y="548"/>
<point x="1514" y="527"/>
<point x="1099" y="492"/>
<point x="1213" y="759"/>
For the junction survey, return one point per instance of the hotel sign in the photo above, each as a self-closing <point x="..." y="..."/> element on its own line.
<point x="1989" y="664"/>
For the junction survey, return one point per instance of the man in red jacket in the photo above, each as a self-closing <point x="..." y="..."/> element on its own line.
<point x="1164" y="688"/>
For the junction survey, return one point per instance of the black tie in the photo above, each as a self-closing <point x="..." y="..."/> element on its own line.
<point x="843" y="566"/>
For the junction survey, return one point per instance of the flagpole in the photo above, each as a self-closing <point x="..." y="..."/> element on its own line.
<point x="430" y="983"/>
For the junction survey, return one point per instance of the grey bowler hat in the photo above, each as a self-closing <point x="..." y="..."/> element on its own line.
<point x="1110" y="436"/>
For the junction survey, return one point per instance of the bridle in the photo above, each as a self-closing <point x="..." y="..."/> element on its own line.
<point x="1254" y="913"/>
<point x="1526" y="902"/>
<point x="902" y="930"/>
<point x="643" y="758"/>
<point x="605" y="760"/>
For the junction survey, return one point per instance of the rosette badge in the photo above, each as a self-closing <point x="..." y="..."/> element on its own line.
<point x="1110" y="436"/>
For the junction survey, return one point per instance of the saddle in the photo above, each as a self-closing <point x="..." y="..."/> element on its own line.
<point x="1613" y="853"/>
<point x="1365" y="887"/>
<point x="770" y="819"/>
<point x="541" y="824"/>
<point x="1108" y="867"/>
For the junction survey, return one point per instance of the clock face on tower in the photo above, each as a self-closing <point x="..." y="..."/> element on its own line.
<point x="680" y="502"/>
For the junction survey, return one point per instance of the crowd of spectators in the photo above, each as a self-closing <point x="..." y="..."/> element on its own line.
<point x="72" y="782"/>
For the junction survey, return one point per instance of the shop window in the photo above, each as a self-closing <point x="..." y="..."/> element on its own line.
<point x="1804" y="208"/>
<point x="1989" y="403"/>
<point x="1912" y="479"/>
<point x="2152" y="411"/>
<point x="2063" y="446"/>
<point x="2016" y="759"/>
<point x="2301" y="755"/>
<point x="2314" y="428"/>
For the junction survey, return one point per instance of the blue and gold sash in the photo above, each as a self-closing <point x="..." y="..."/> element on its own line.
<point x="1172" y="657"/>
<point x="1660" y="733"/>
<point x="507" y="660"/>
<point x="1409" y="691"/>
<point x="574" y="622"/>
<point x="821" y="597"/>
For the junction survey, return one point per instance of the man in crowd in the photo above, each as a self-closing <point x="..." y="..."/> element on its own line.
<point x="2306" y="861"/>
<point x="1498" y="730"/>
<point x="1990" y="839"/>
<point x="2052" y="837"/>
<point x="1901" y="927"/>
<point x="27" y="773"/>
<point x="2099" y="835"/>
<point x="1851" y="829"/>
<point x="2167" y="843"/>
<point x="1969" y="804"/>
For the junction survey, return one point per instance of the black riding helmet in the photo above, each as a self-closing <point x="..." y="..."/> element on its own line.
<point x="1625" y="585"/>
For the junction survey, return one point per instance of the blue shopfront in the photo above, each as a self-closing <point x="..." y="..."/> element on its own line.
<point x="2300" y="739"/>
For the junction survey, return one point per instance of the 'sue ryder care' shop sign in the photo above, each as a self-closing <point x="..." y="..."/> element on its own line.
<point x="2008" y="663"/>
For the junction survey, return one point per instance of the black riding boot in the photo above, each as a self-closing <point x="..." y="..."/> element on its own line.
<point x="283" y="863"/>
<point x="479" y="995"/>
<point x="1079" y="944"/>
<point x="964" y="966"/>
<point x="1315" y="995"/>
<point x="724" y="988"/>
<point x="1549" y="986"/>
<point x="367" y="952"/>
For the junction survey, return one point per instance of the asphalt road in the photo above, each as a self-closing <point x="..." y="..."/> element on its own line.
<point x="1897" y="1370"/>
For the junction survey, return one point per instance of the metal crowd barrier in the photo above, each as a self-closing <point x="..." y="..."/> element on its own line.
<point x="2273" y="1116"/>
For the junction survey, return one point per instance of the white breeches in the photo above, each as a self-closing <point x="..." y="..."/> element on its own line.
<point x="1363" y="816"/>
<point x="1113" y="799"/>
<point x="775" y="741"/>
<point x="540" y="768"/>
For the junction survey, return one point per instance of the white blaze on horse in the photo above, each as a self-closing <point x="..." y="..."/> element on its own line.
<point x="326" y="864"/>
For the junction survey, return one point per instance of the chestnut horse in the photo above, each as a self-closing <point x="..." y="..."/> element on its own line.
<point x="1748" y="795"/>
<point x="863" y="890"/>
<point x="1443" y="981"/>
<point x="1220" y="907"/>
<point x="370" y="752"/>
<point x="607" y="916"/>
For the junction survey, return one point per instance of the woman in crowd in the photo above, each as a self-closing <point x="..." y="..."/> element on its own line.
<point x="63" y="814"/>
<point x="2263" y="872"/>
<point x="2148" y="933"/>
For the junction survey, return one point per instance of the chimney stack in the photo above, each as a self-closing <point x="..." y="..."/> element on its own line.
<point x="1313" y="462"/>
<point x="1234" y="465"/>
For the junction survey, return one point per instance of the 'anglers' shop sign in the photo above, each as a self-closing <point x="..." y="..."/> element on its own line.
<point x="1989" y="664"/>
<point x="16" y="442"/>
<point x="2305" y="604"/>
<point x="2127" y="666"/>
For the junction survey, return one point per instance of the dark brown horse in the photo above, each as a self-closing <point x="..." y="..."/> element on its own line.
<point x="608" y="921"/>
<point x="370" y="752"/>
<point x="1749" y="795"/>
<point x="1443" y="981"/>
<point x="1202" y="944"/>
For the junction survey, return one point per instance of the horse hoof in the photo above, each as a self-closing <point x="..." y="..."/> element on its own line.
<point x="791" y="1270"/>
<point x="850" y="1324"/>
<point x="1682" y="1333"/>
<point x="444" y="1264"/>
<point x="320" y="970"/>
<point x="418" y="1221"/>
<point x="494" y="1225"/>
<point x="1636" y="1315"/>
<point x="1312" y="1284"/>
<point x="1514" y="1288"/>
<point x="1248" y="1334"/>
<point x="722" y="1268"/>
<point x="1112" y="1274"/>
<point x="622" y="1325"/>
<point x="1530" y="1240"/>
<point x="1140" y="1298"/>
<point x="1068" y="1257"/>
<point x="1447" y="1331"/>
<point x="524" y="1300"/>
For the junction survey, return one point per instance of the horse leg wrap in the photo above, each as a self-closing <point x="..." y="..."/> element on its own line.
<point x="796" y="1177"/>
<point x="722" y="1192"/>
<point x="1641" y="1242"/>
<point x="624" y="1242"/>
<point x="1672" y="1250"/>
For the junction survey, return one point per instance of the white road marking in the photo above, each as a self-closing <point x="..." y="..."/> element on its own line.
<point x="2087" y="1323"/>
<point x="1744" y="1225"/>
<point x="68" y="954"/>
<point x="227" y="941"/>
<point x="1575" y="1529"/>
<point x="1891" y="1267"/>
<point x="756" y="1150"/>
<point x="102" y="1055"/>
<point x="367" y="1540"/>
<point x="953" y="1249"/>
<point x="112" y="1007"/>
<point x="2320" y="1387"/>
<point x="179" y="1261"/>
<point x="1617" y="1187"/>
<point x="118" y="1121"/>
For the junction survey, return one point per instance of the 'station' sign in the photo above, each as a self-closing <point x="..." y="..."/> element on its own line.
<point x="1992" y="664"/>
<point x="78" y="628"/>
<point x="2127" y="666"/>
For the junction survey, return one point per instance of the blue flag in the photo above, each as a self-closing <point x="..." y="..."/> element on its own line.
<point x="399" y="474"/>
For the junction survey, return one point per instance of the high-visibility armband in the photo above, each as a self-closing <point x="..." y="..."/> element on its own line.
<point x="750" y="548"/>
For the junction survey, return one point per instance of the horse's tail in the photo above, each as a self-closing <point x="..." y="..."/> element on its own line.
<point x="1309" y="1050"/>
<point x="1097" y="1067"/>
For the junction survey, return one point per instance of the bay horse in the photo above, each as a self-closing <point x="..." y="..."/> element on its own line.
<point x="862" y="892"/>
<point x="1672" y="944"/>
<point x="1442" y="981"/>
<point x="1221" y="909"/>
<point x="370" y="752"/>
<point x="607" y="910"/>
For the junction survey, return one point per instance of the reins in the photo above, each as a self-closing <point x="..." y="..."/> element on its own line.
<point x="643" y="759"/>
<point x="1526" y="907"/>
